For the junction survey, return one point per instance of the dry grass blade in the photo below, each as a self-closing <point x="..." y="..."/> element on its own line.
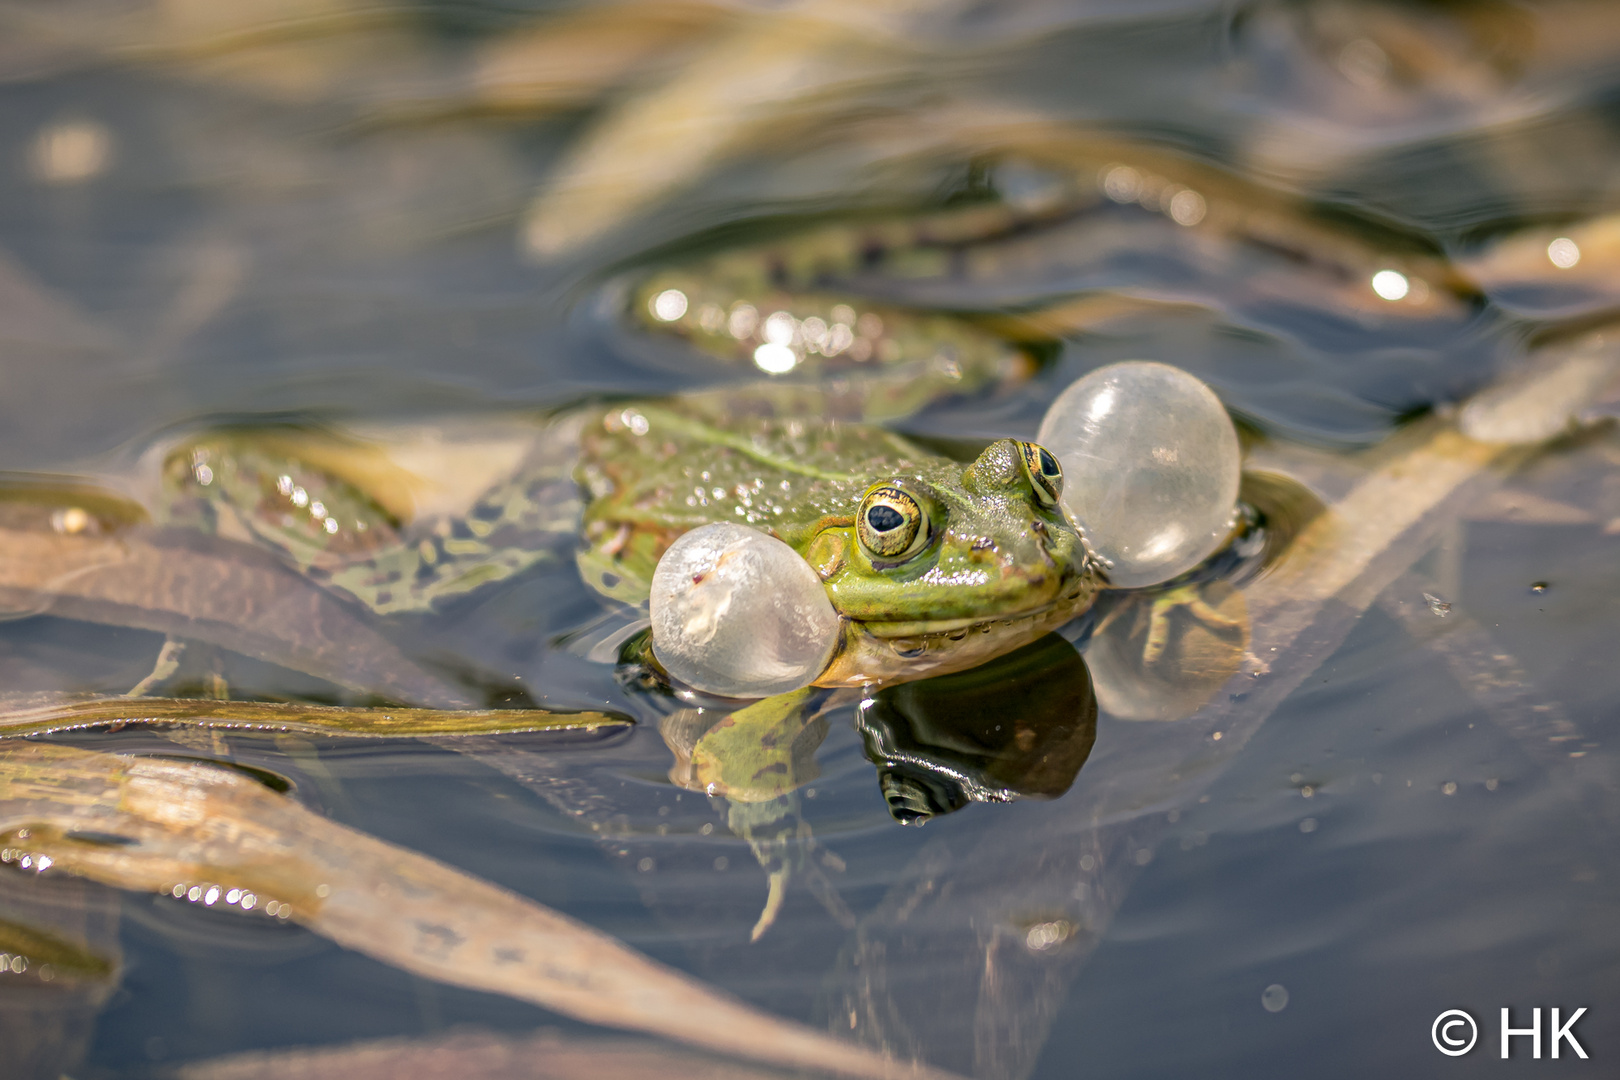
<point x="41" y="715"/>
<point x="162" y="826"/>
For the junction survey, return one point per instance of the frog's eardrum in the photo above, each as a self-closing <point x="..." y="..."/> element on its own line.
<point x="737" y="612"/>
<point x="1152" y="465"/>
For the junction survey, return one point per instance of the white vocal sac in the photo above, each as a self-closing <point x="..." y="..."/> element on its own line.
<point x="737" y="612"/>
<point x="1151" y="467"/>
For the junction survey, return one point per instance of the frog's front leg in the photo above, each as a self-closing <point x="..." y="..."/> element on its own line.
<point x="786" y="849"/>
<point x="776" y="834"/>
<point x="757" y="758"/>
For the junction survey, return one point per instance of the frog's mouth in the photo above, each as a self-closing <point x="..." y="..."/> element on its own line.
<point x="925" y="627"/>
<point x="894" y="651"/>
<point x="956" y="629"/>
<point x="1066" y="595"/>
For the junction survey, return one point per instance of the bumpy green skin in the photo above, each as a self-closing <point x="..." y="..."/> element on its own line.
<point x="999" y="568"/>
<point x="688" y="463"/>
<point x="260" y="490"/>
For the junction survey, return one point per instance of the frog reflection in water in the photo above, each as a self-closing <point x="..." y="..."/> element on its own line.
<point x="935" y="565"/>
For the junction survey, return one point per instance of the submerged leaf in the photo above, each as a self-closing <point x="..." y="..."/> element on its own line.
<point x="218" y="838"/>
<point x="228" y="594"/>
<point x="548" y="1055"/>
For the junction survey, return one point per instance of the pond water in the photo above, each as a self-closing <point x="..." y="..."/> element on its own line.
<point x="430" y="221"/>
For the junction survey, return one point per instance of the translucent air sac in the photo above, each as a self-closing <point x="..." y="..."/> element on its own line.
<point x="737" y="612"/>
<point x="1151" y="464"/>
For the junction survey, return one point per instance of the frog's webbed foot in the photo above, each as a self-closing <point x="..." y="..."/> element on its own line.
<point x="1188" y="598"/>
<point x="1161" y="657"/>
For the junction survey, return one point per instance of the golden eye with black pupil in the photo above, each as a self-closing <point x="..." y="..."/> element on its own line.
<point x="890" y="524"/>
<point x="1045" y="474"/>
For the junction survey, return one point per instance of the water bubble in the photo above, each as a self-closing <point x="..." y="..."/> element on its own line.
<point x="1274" y="998"/>
<point x="780" y="328"/>
<point x="1187" y="207"/>
<point x="1391" y="284"/>
<point x="669" y="305"/>
<point x="739" y="613"/>
<point x="712" y="317"/>
<point x="72" y="520"/>
<point x="1048" y="935"/>
<point x="1151" y="466"/>
<point x="1563" y="253"/>
<point x="742" y="321"/>
<point x="71" y="152"/>
<point x="1121" y="183"/>
<point x="775" y="359"/>
<point x="839" y="338"/>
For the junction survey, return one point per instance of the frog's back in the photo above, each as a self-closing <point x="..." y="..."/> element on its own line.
<point x="652" y="471"/>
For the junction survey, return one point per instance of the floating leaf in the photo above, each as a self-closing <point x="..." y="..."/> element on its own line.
<point x="48" y="713"/>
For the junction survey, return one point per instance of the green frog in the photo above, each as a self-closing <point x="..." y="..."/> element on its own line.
<point x="935" y="565"/>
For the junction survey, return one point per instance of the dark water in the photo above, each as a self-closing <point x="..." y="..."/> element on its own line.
<point x="318" y="214"/>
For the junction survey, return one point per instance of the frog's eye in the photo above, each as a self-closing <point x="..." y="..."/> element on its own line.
<point x="890" y="524"/>
<point x="1045" y="474"/>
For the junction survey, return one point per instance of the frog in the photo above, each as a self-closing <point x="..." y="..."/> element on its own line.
<point x="933" y="566"/>
<point x="935" y="562"/>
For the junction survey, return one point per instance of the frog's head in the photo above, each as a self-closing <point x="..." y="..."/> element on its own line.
<point x="952" y="550"/>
